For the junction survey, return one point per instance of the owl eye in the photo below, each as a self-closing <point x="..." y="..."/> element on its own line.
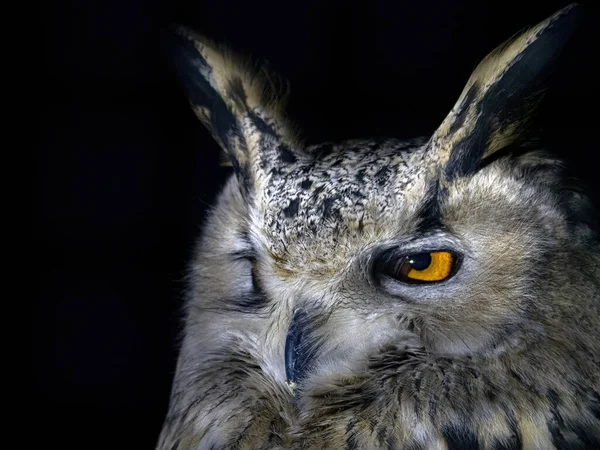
<point x="426" y="267"/>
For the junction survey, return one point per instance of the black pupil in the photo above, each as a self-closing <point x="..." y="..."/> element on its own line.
<point x="420" y="261"/>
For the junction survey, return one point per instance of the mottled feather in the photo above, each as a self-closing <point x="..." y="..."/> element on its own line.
<point x="300" y="331"/>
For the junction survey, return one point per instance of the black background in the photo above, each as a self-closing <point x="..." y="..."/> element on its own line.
<point x="126" y="173"/>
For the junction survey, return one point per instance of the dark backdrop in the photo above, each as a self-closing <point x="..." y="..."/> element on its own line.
<point x="126" y="173"/>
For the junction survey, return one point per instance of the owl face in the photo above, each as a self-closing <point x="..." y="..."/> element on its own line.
<point x="326" y="271"/>
<point x="366" y="238"/>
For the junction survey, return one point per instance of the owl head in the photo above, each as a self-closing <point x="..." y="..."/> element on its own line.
<point x="319" y="262"/>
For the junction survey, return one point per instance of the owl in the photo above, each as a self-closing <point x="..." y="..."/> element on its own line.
<point x="435" y="293"/>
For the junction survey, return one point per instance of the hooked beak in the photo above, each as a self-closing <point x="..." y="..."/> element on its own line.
<point x="300" y="349"/>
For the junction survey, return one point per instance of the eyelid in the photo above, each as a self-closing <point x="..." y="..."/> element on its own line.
<point x="243" y="254"/>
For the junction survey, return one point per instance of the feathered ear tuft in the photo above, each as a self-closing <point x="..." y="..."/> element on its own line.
<point x="500" y="96"/>
<point x="240" y="103"/>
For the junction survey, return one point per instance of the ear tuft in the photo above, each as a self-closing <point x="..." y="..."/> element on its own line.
<point x="501" y="95"/>
<point x="242" y="104"/>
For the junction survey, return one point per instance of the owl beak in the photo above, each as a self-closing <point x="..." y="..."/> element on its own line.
<point x="300" y="349"/>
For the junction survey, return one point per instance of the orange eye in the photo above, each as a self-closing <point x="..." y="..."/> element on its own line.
<point x="418" y="268"/>
<point x="431" y="266"/>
